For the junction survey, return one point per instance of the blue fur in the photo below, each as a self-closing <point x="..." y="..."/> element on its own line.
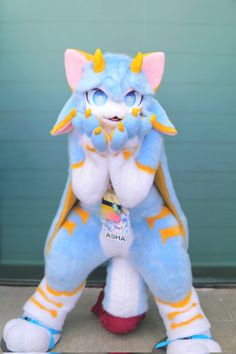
<point x="119" y="139"/>
<point x="117" y="78"/>
<point x="164" y="266"/>
<point x="152" y="106"/>
<point x="149" y="154"/>
<point x="89" y="124"/>
<point x="99" y="142"/>
<point x="145" y="126"/>
<point x="132" y="125"/>
<point x="72" y="257"/>
<point x="76" y="152"/>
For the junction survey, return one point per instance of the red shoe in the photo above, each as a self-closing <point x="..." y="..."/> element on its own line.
<point x="98" y="309"/>
<point x="114" y="324"/>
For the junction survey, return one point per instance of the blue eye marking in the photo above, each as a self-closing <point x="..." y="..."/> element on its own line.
<point x="97" y="97"/>
<point x="133" y="98"/>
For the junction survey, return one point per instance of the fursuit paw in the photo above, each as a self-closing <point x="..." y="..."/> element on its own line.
<point x="20" y="335"/>
<point x="86" y="122"/>
<point x="193" y="346"/>
<point x="146" y="123"/>
<point x="188" y="346"/>
<point x="119" y="137"/>
<point x="99" y="139"/>
<point x="138" y="125"/>
<point x="132" y="123"/>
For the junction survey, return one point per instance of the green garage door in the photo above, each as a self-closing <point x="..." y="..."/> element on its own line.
<point x="198" y="92"/>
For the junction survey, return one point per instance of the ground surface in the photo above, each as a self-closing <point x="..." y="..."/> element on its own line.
<point x="83" y="333"/>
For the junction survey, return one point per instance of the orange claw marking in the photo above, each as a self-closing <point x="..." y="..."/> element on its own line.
<point x="97" y="130"/>
<point x="136" y="111"/>
<point x="121" y="127"/>
<point x="73" y="112"/>
<point x="88" y="113"/>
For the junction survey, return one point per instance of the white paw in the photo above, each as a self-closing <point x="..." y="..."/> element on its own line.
<point x="23" y="336"/>
<point x="194" y="346"/>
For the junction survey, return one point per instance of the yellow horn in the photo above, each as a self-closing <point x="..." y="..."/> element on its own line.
<point x="98" y="61"/>
<point x="137" y="62"/>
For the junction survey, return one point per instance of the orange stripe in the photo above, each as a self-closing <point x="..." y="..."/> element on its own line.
<point x="57" y="304"/>
<point x="69" y="226"/>
<point x="145" y="168"/>
<point x="70" y="200"/>
<point x="83" y="214"/>
<point x="180" y="303"/>
<point x="172" y="315"/>
<point x="163" y="128"/>
<point x="42" y="307"/>
<point x="64" y="122"/>
<point x="151" y="220"/>
<point x="181" y="324"/>
<point x="170" y="232"/>
<point x="64" y="293"/>
<point x="78" y="164"/>
<point x="127" y="154"/>
<point x="90" y="148"/>
<point x="160" y="182"/>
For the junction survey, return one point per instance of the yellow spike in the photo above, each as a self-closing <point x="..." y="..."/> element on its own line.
<point x="137" y="62"/>
<point x="87" y="113"/>
<point x="97" y="130"/>
<point x="121" y="127"/>
<point x="98" y="61"/>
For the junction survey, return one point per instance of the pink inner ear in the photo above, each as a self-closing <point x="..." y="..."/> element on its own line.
<point x="153" y="67"/>
<point x="66" y="129"/>
<point x="74" y="63"/>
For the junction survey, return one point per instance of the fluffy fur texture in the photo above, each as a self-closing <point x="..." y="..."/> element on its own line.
<point x="116" y="151"/>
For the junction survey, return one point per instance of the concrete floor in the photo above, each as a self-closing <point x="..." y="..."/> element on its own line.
<point x="82" y="332"/>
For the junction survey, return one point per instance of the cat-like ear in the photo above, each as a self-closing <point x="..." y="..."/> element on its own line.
<point x="153" y="67"/>
<point x="74" y="63"/>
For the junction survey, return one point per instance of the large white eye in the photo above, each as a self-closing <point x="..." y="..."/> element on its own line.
<point x="133" y="98"/>
<point x="96" y="96"/>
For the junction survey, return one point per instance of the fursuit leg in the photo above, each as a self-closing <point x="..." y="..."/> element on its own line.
<point x="73" y="254"/>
